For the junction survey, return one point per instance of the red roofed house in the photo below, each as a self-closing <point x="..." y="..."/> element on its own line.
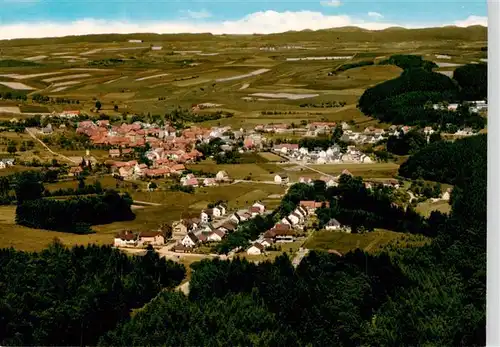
<point x="311" y="206"/>
<point x="114" y="153"/>
<point x="125" y="238"/>
<point x="254" y="210"/>
<point x="75" y="171"/>
<point x="193" y="182"/>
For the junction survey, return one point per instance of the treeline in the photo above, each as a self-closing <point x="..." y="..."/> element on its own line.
<point x="82" y="189"/>
<point x="405" y="99"/>
<point x="410" y="143"/>
<point x="328" y="104"/>
<point x="432" y="295"/>
<point x="106" y="62"/>
<point x="17" y="63"/>
<point x="446" y="162"/>
<point x="248" y="230"/>
<point x="361" y="208"/>
<point x="43" y="99"/>
<point x="409" y="61"/>
<point x="473" y="81"/>
<point x="425" y="189"/>
<point x="181" y="116"/>
<point x="349" y="66"/>
<point x="13" y="95"/>
<point x="71" y="297"/>
<point x="75" y="214"/>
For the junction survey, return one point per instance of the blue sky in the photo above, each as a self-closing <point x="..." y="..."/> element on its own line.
<point x="32" y="18"/>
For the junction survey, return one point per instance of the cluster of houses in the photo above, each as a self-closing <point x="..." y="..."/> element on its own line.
<point x="320" y="156"/>
<point x="211" y="226"/>
<point x="474" y="106"/>
<point x="312" y="129"/>
<point x="169" y="149"/>
<point x="333" y="181"/>
<point x="127" y="238"/>
<point x="7" y="162"/>
<point x="193" y="181"/>
<point x="369" y="136"/>
<point x="287" y="229"/>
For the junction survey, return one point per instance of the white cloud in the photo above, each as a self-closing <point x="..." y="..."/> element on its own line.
<point x="198" y="14"/>
<point x="331" y="3"/>
<point x="375" y="15"/>
<point x="256" y="23"/>
<point x="472" y="20"/>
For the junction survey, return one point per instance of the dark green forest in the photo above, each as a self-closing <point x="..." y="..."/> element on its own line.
<point x="68" y="210"/>
<point x="405" y="99"/>
<point x="447" y="162"/>
<point x="71" y="297"/>
<point x="473" y="80"/>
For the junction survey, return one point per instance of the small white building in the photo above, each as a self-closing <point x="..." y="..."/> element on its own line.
<point x="256" y="249"/>
<point x="221" y="176"/>
<point x="286" y="221"/>
<point x="281" y="179"/>
<point x="216" y="212"/>
<point x="294" y="218"/>
<point x="206" y="215"/>
<point x="235" y="218"/>
<point x="333" y="224"/>
<point x="446" y="195"/>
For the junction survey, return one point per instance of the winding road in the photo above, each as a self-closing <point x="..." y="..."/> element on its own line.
<point x="29" y="131"/>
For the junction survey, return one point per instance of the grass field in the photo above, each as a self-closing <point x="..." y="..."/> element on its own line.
<point x="345" y="242"/>
<point x="174" y="205"/>
<point x="375" y="170"/>
<point x="191" y="68"/>
<point x="270" y="156"/>
<point x="425" y="208"/>
<point x="290" y="248"/>
<point x="236" y="171"/>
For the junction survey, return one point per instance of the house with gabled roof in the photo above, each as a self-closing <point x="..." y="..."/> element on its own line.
<point x="259" y="205"/>
<point x="221" y="176"/>
<point x="216" y="235"/>
<point x="281" y="179"/>
<point x="190" y="240"/>
<point x="155" y="238"/>
<point x="126" y="238"/>
<point x="228" y="226"/>
<point x="333" y="224"/>
<point x="255" y="249"/>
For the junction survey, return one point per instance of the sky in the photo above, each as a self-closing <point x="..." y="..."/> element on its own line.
<point x="44" y="18"/>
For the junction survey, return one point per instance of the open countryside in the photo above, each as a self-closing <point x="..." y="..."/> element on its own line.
<point x="201" y="170"/>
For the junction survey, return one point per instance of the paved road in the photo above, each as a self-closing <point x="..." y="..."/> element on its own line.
<point x="29" y="131"/>
<point x="263" y="182"/>
<point x="301" y="253"/>
<point x="147" y="203"/>
<point x="310" y="168"/>
<point x="183" y="288"/>
<point x="412" y="197"/>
